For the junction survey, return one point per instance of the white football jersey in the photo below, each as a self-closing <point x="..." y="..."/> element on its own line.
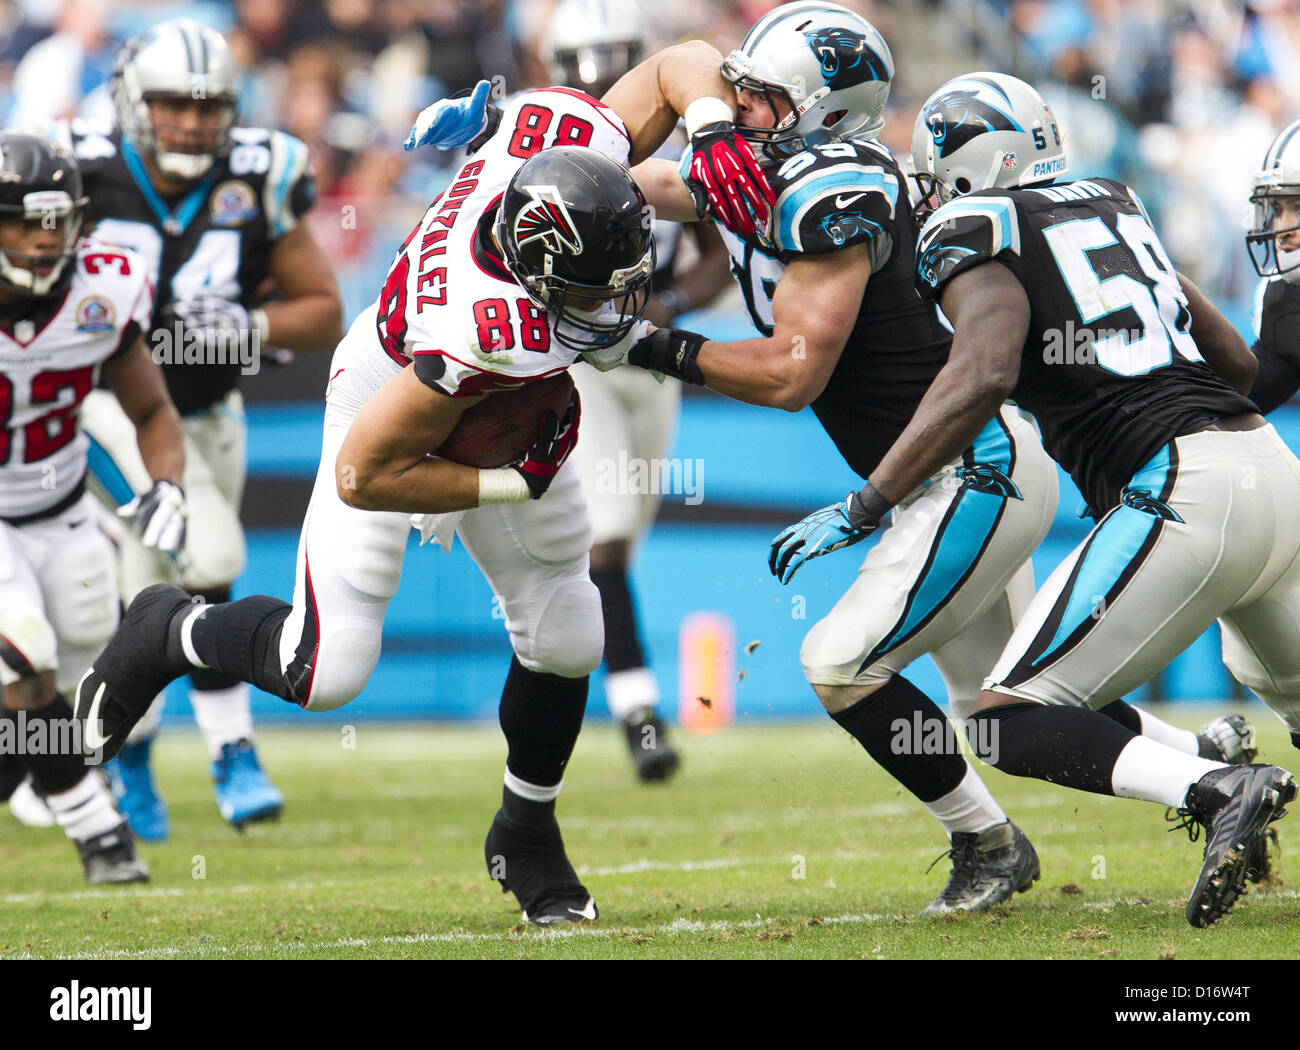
<point x="49" y="362"/>
<point x="449" y="304"/>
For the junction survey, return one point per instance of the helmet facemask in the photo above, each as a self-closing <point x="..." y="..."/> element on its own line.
<point x="585" y="317"/>
<point x="1270" y="258"/>
<point x="53" y="209"/>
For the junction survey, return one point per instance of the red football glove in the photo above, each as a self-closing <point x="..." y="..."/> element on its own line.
<point x="724" y="165"/>
<point x="556" y="438"/>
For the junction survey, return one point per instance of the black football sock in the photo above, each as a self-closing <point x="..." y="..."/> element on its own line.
<point x="207" y="679"/>
<point x="1295" y="740"/>
<point x="49" y="752"/>
<point x="622" y="643"/>
<point x="242" y="640"/>
<point x="541" y="716"/>
<point x="1072" y="746"/>
<point x="907" y="734"/>
<point x="1125" y="714"/>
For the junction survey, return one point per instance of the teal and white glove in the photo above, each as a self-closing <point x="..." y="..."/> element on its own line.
<point x="832" y="528"/>
<point x="451" y="122"/>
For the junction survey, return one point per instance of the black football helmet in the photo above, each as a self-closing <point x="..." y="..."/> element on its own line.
<point x="39" y="181"/>
<point x="575" y="232"/>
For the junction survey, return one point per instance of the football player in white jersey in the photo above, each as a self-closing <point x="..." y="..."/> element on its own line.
<point x="537" y="253"/>
<point x="589" y="45"/>
<point x="70" y="309"/>
<point x="216" y="209"/>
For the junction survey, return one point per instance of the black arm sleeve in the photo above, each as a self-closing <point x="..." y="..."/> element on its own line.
<point x="1278" y="351"/>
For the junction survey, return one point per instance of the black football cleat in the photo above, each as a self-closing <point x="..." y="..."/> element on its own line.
<point x="1236" y="806"/>
<point x="1261" y="853"/>
<point x="654" y="757"/>
<point x="531" y="863"/>
<point x="1229" y="739"/>
<point x="111" y="858"/>
<point x="140" y="660"/>
<point x="988" y="867"/>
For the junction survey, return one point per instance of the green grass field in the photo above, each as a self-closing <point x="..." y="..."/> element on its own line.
<point x="780" y="841"/>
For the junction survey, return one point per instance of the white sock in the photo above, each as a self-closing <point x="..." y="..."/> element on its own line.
<point x="1183" y="740"/>
<point x="147" y="727"/>
<point x="223" y="716"/>
<point x="85" y="810"/>
<point x="1151" y="771"/>
<point x="625" y="691"/>
<point x="967" y="807"/>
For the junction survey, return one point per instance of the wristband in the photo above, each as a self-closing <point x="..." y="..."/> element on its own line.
<point x="867" y="506"/>
<point x="672" y="351"/>
<point x="502" y="485"/>
<point x="257" y="318"/>
<point x="707" y="110"/>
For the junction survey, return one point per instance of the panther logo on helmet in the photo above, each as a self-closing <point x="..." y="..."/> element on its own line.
<point x="545" y="218"/>
<point x="845" y="58"/>
<point x="956" y="117"/>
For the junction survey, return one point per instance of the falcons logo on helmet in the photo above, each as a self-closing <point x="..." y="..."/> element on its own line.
<point x="546" y="219"/>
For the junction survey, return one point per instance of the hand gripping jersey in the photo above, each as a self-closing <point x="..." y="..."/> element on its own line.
<point x="50" y="355"/>
<point x="1109" y="367"/>
<point x="827" y="198"/>
<point x="214" y="240"/>
<point x="1277" y="343"/>
<point x="449" y="304"/>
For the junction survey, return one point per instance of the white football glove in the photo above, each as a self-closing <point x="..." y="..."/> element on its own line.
<point x="607" y="358"/>
<point x="158" y="517"/>
<point x="209" y="314"/>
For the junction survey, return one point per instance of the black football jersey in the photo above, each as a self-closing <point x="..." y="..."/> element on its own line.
<point x="1277" y="344"/>
<point x="1109" y="367"/>
<point x="213" y="240"/>
<point x="827" y="198"/>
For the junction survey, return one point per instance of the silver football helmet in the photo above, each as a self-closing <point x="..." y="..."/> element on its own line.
<point x="1278" y="180"/>
<point x="827" y="67"/>
<point x="985" y="130"/>
<point x="181" y="59"/>
<point x="589" y="44"/>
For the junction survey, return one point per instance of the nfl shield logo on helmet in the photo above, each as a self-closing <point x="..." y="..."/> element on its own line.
<point x="95" y="314"/>
<point x="546" y="219"/>
<point x="1009" y="162"/>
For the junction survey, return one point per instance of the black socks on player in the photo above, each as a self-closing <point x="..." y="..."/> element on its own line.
<point x="241" y="640"/>
<point x="1070" y="746"/>
<point x="908" y="736"/>
<point x="541" y="716"/>
<point x="1128" y="717"/>
<point x="622" y="646"/>
<point x="58" y="764"/>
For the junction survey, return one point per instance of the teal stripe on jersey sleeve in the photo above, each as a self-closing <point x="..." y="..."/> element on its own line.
<point x="107" y="473"/>
<point x="282" y="217"/>
<point x="819" y="185"/>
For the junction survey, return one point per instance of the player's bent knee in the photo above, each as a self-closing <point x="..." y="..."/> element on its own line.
<point x="28" y="647"/>
<point x="569" y="637"/>
<point x="346" y="659"/>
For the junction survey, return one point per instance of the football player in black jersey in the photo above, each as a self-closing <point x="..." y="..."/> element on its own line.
<point x="1063" y="298"/>
<point x="1274" y="245"/>
<point x="216" y="211"/>
<point x="830" y="286"/>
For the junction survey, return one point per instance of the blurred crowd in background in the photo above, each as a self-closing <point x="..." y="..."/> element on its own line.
<point x="1178" y="98"/>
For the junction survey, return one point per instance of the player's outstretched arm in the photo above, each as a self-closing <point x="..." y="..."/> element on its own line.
<point x="814" y="309"/>
<point x="1219" y="342"/>
<point x="309" y="317"/>
<point x="665" y="191"/>
<point x="989" y="312"/>
<point x="140" y="388"/>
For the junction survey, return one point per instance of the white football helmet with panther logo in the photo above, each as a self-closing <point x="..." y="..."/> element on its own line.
<point x="985" y="130"/>
<point x="179" y="59"/>
<point x="1278" y="178"/>
<point x="828" y="65"/>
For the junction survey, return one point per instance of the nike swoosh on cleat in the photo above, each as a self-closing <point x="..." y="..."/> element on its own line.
<point x="843" y="202"/>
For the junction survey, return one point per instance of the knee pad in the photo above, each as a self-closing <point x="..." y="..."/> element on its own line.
<point x="568" y="637"/>
<point x="831" y="655"/>
<point x="28" y="646"/>
<point x="345" y="660"/>
<point x="214" y="553"/>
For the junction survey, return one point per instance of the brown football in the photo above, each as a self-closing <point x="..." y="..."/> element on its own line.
<point x="501" y="427"/>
